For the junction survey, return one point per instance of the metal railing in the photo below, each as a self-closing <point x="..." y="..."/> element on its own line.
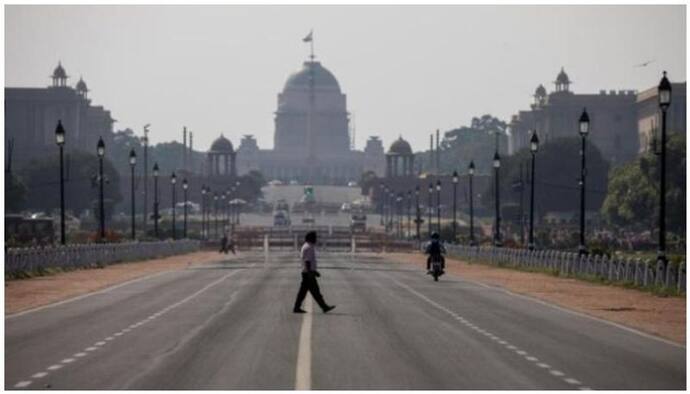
<point x="85" y="255"/>
<point x="638" y="272"/>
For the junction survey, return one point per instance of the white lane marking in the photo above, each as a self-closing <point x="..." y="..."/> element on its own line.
<point x="23" y="383"/>
<point x="543" y="365"/>
<point x="81" y="297"/>
<point x="109" y="338"/>
<point x="482" y="331"/>
<point x="303" y="373"/>
<point x="580" y="314"/>
<point x="39" y="375"/>
<point x="531" y="358"/>
<point x="67" y="360"/>
<point x="101" y="343"/>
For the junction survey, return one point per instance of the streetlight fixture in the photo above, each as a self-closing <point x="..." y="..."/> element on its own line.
<point x="203" y="211"/>
<point x="455" y="199"/>
<point x="417" y="216"/>
<point x="399" y="209"/>
<point x="60" y="141"/>
<point x="497" y="231"/>
<point x="428" y="207"/>
<point x="391" y="216"/>
<point x="185" y="185"/>
<point x="385" y="208"/>
<point x="155" y="199"/>
<point x="533" y="147"/>
<point x="100" y="150"/>
<point x="173" y="181"/>
<point x="584" y="131"/>
<point x="438" y="204"/>
<point x="381" y="202"/>
<point x="133" y="164"/>
<point x="470" y="171"/>
<point x="145" y="139"/>
<point x="409" y="217"/>
<point x="664" y="104"/>
<point x="215" y="214"/>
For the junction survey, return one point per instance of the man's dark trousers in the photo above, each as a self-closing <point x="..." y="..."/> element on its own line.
<point x="309" y="284"/>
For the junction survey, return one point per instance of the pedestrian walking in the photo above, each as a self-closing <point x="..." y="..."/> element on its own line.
<point x="309" y="275"/>
<point x="224" y="244"/>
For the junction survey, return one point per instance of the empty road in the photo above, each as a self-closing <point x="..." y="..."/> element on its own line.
<point x="230" y="326"/>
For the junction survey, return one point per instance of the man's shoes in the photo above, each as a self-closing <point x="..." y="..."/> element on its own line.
<point x="328" y="308"/>
<point x="299" y="310"/>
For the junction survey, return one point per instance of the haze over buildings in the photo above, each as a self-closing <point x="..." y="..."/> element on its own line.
<point x="217" y="69"/>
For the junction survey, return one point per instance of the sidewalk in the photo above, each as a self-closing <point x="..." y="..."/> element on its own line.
<point x="24" y="294"/>
<point x="660" y="316"/>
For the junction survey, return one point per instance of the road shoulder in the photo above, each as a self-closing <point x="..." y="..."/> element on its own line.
<point x="664" y="317"/>
<point x="25" y="294"/>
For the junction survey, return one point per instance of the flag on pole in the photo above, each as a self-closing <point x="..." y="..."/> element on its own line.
<point x="308" y="38"/>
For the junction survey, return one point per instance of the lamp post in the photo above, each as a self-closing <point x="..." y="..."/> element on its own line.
<point x="215" y="214"/>
<point x="133" y="164"/>
<point x="173" y="181"/>
<point x="417" y="213"/>
<point x="155" y="199"/>
<point x="428" y="207"/>
<point x="664" y="104"/>
<point x="239" y="211"/>
<point x="438" y="205"/>
<point x="584" y="130"/>
<point x="222" y="211"/>
<point x="203" y="211"/>
<point x="60" y="141"/>
<point x="455" y="199"/>
<point x="100" y="149"/>
<point x="497" y="232"/>
<point x="185" y="185"/>
<point x="385" y="208"/>
<point x="470" y="172"/>
<point x="409" y="217"/>
<point x="146" y="177"/>
<point x="381" y="201"/>
<point x="391" y="217"/>
<point x="533" y="147"/>
<point x="400" y="219"/>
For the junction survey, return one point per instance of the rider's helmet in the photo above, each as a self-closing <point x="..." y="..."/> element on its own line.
<point x="435" y="236"/>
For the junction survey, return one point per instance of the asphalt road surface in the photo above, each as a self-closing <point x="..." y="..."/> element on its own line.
<point x="231" y="326"/>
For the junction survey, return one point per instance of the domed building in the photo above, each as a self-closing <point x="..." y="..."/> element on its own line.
<point x="399" y="159"/>
<point x="221" y="158"/>
<point x="312" y="140"/>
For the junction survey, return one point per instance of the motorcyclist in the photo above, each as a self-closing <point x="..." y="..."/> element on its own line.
<point x="435" y="249"/>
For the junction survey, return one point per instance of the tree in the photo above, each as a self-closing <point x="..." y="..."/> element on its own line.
<point x="81" y="187"/>
<point x="15" y="193"/>
<point x="557" y="174"/>
<point x="367" y="181"/>
<point x="633" y="196"/>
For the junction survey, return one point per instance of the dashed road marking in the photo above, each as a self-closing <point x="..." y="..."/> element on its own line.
<point x="80" y="354"/>
<point x="23" y="383"/>
<point x="67" y="361"/>
<point x="488" y="334"/>
<point x="54" y="367"/>
<point x="303" y="372"/>
<point x="39" y="375"/>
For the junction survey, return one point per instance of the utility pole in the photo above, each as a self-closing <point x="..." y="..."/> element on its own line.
<point x="146" y="176"/>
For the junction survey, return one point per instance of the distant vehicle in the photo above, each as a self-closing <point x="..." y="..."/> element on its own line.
<point x="308" y="196"/>
<point x="275" y="182"/>
<point x="282" y="205"/>
<point x="294" y="182"/>
<point x="281" y="219"/>
<point x="358" y="223"/>
<point x="308" y="220"/>
<point x="21" y="230"/>
<point x="346" y="207"/>
<point x="352" y="184"/>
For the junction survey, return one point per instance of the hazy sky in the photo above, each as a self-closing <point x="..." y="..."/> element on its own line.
<point x="405" y="69"/>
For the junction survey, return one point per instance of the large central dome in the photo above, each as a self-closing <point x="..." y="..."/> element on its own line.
<point x="323" y="79"/>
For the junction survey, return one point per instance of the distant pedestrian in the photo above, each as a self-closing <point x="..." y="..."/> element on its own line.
<point x="224" y="244"/>
<point x="309" y="275"/>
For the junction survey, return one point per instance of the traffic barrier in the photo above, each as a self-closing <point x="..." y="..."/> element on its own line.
<point x="613" y="269"/>
<point x="85" y="255"/>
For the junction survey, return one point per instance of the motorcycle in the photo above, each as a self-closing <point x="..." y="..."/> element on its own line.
<point x="436" y="267"/>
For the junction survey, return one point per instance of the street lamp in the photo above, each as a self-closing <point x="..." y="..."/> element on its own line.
<point x="409" y="217"/>
<point x="133" y="164"/>
<point x="417" y="216"/>
<point x="470" y="171"/>
<point x="391" y="208"/>
<point x="664" y="103"/>
<point x="399" y="209"/>
<point x="60" y="141"/>
<point x="381" y="202"/>
<point x="173" y="181"/>
<point x="455" y="199"/>
<point x="497" y="232"/>
<point x="215" y="214"/>
<point x="428" y="207"/>
<point x="203" y="211"/>
<point x="533" y="147"/>
<point x="385" y="208"/>
<point x="584" y="130"/>
<point x="185" y="185"/>
<point x="155" y="199"/>
<point x="100" y="149"/>
<point x="145" y="139"/>
<point x="438" y="204"/>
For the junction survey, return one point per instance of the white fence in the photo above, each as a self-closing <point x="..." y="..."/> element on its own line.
<point x="84" y="255"/>
<point x="634" y="271"/>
